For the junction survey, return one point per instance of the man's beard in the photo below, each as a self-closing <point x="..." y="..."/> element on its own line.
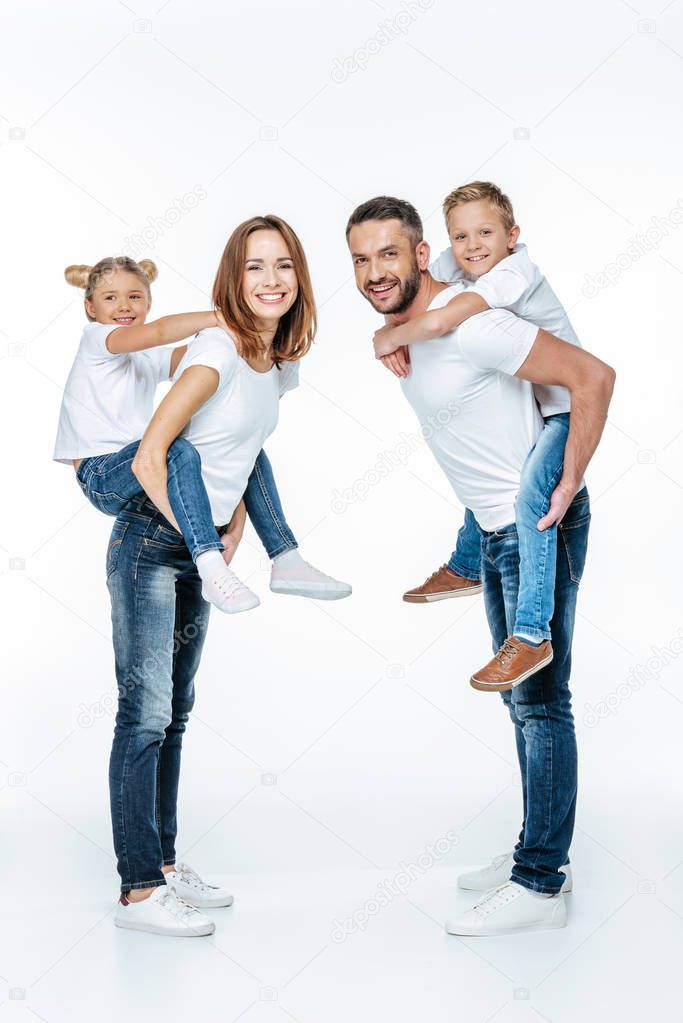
<point x="407" y="291"/>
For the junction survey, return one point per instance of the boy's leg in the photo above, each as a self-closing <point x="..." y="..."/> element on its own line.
<point x="538" y="550"/>
<point x="263" y="506"/>
<point x="466" y="558"/>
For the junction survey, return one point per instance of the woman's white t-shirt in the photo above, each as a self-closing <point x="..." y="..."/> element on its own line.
<point x="230" y="428"/>
<point x="108" y="398"/>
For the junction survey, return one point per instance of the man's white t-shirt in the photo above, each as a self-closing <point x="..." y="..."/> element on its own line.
<point x="479" y="420"/>
<point x="518" y="285"/>
<point x="108" y="399"/>
<point x="230" y="429"/>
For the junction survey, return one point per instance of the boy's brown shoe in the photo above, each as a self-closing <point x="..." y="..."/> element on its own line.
<point x="514" y="662"/>
<point x="441" y="585"/>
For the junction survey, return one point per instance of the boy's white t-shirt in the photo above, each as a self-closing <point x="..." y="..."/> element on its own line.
<point x="230" y="429"/>
<point x="479" y="420"/>
<point x="518" y="285"/>
<point x="108" y="399"/>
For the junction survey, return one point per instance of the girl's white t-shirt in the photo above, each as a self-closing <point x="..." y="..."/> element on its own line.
<point x="230" y="428"/>
<point x="108" y="399"/>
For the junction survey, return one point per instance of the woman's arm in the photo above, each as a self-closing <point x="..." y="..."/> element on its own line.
<point x="194" y="388"/>
<point x="159" y="332"/>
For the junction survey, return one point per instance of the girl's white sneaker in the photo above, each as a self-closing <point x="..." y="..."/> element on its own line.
<point x="291" y="574"/>
<point x="510" y="909"/>
<point x="163" y="913"/>
<point x="191" y="888"/>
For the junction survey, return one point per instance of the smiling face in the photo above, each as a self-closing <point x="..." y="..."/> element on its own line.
<point x="269" y="282"/>
<point x="121" y="298"/>
<point x="387" y="264"/>
<point x="478" y="237"/>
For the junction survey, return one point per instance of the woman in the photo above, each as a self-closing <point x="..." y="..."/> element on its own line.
<point x="225" y="402"/>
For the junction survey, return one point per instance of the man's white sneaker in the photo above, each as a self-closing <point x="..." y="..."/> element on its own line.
<point x="191" y="888"/>
<point x="291" y="574"/>
<point x="163" y="913"/>
<point x="498" y="872"/>
<point x="510" y="909"/>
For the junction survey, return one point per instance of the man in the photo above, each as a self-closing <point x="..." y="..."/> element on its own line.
<point x="485" y="369"/>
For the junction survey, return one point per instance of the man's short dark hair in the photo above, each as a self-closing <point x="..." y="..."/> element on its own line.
<point x="386" y="207"/>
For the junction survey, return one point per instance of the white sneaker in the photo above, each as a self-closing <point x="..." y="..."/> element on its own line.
<point x="163" y="913"/>
<point x="498" y="872"/>
<point x="291" y="574"/>
<point x="187" y="883"/>
<point x="229" y="594"/>
<point x="510" y="909"/>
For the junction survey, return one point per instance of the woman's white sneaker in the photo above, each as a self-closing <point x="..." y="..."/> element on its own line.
<point x="163" y="913"/>
<point x="291" y="574"/>
<point x="191" y="888"/>
<point x="498" y="872"/>
<point x="510" y="909"/>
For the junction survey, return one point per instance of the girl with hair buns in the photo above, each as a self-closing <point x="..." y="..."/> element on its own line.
<point x="108" y="401"/>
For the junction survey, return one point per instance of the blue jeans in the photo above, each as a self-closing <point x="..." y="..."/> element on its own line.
<point x="540" y="475"/>
<point x="109" y="483"/>
<point x="159" y="622"/>
<point x="265" y="510"/>
<point x="540" y="709"/>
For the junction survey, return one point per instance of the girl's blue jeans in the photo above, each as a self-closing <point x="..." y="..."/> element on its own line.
<point x="537" y="549"/>
<point x="109" y="484"/>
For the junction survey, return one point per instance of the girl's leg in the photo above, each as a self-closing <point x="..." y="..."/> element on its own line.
<point x="264" y="508"/>
<point x="466" y="558"/>
<point x="538" y="550"/>
<point x="108" y="481"/>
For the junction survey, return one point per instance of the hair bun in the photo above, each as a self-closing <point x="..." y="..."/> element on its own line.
<point x="149" y="269"/>
<point x="78" y="275"/>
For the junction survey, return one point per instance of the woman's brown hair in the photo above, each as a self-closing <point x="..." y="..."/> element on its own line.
<point x="296" y="329"/>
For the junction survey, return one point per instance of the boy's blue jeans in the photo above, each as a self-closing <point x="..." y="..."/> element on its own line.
<point x="537" y="550"/>
<point x="109" y="484"/>
<point x="541" y="708"/>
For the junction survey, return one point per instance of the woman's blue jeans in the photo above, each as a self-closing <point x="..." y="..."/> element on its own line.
<point x="109" y="483"/>
<point x="540" y="708"/>
<point x="540" y="475"/>
<point x="159" y="622"/>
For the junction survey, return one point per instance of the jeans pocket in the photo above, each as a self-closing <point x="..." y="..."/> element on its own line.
<point x="575" y="539"/>
<point x="114" y="548"/>
<point x="166" y="538"/>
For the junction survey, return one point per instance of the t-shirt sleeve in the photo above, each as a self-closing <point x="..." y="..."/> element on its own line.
<point x="444" y="268"/>
<point x="213" y="348"/>
<point x="289" y="376"/>
<point x="160" y="358"/>
<point x="502" y="286"/>
<point x="93" y="341"/>
<point x="496" y="340"/>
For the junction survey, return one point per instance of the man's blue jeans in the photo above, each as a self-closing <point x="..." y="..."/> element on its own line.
<point x="159" y="622"/>
<point x="540" y="708"/>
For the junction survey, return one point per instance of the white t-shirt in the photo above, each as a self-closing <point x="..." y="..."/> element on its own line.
<point x="229" y="430"/>
<point x="479" y="420"/>
<point x="108" y="399"/>
<point x="518" y="285"/>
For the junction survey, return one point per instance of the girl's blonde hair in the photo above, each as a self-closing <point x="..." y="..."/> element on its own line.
<point x="89" y="277"/>
<point x="296" y="329"/>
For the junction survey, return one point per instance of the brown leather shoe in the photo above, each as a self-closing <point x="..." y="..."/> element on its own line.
<point x="514" y="662"/>
<point x="441" y="585"/>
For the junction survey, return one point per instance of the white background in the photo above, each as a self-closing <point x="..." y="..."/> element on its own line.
<point x="333" y="742"/>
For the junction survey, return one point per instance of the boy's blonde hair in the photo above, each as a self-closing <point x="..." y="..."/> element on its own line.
<point x="89" y="277"/>
<point x="477" y="190"/>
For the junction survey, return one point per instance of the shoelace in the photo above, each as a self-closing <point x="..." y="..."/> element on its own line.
<point x="496" y="899"/>
<point x="498" y="861"/>
<point x="229" y="584"/>
<point x="191" y="877"/>
<point x="506" y="652"/>
<point x="172" y="903"/>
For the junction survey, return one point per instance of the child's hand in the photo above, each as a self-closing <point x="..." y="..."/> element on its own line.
<point x="398" y="362"/>
<point x="384" y="341"/>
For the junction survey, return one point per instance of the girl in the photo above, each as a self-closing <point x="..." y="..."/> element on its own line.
<point x="224" y="400"/>
<point x="108" y="401"/>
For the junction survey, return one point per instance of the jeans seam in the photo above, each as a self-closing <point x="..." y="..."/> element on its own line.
<point x="142" y="884"/>
<point x="271" y="509"/>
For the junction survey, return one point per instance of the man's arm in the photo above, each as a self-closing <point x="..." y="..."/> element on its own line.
<point x="590" y="383"/>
